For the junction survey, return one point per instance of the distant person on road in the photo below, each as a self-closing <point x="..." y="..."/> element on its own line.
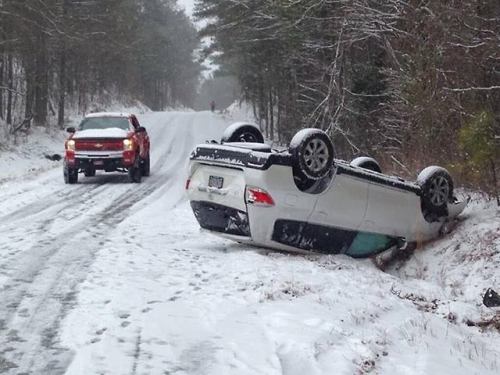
<point x="212" y="106"/>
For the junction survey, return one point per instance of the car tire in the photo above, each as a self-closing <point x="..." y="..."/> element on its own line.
<point x="70" y="175"/>
<point x="366" y="162"/>
<point x="135" y="171"/>
<point x="89" y="172"/>
<point x="242" y="132"/>
<point x="437" y="190"/>
<point x="312" y="154"/>
<point x="146" y="166"/>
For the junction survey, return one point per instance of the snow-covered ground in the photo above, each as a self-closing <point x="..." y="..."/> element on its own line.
<point x="107" y="277"/>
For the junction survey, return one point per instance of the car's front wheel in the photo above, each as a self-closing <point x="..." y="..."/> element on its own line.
<point x="312" y="153"/>
<point x="146" y="166"/>
<point x="70" y="175"/>
<point x="89" y="171"/>
<point x="437" y="190"/>
<point x="135" y="171"/>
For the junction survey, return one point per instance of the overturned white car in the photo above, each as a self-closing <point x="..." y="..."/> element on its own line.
<point x="302" y="199"/>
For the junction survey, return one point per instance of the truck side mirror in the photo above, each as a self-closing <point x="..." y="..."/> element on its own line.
<point x="71" y="130"/>
<point x="140" y="129"/>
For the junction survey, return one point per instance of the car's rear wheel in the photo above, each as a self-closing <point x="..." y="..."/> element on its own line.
<point x="242" y="132"/>
<point x="146" y="166"/>
<point x="366" y="162"/>
<point x="437" y="190"/>
<point x="312" y="153"/>
<point x="135" y="171"/>
<point x="70" y="175"/>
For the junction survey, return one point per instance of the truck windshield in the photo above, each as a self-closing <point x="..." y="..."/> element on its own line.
<point x="105" y="123"/>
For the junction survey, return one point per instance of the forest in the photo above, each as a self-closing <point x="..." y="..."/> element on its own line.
<point x="412" y="82"/>
<point x="57" y="55"/>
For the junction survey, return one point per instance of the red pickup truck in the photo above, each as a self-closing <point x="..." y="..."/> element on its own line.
<point x="109" y="142"/>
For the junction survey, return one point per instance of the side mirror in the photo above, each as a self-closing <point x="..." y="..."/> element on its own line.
<point x="140" y="129"/>
<point x="71" y="130"/>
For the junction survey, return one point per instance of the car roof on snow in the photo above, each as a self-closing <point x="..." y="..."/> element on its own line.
<point x="108" y="114"/>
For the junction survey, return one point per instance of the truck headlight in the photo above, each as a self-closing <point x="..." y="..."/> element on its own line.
<point x="70" y="145"/>
<point x="128" y="145"/>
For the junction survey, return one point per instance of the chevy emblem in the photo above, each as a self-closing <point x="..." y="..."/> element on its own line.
<point x="98" y="145"/>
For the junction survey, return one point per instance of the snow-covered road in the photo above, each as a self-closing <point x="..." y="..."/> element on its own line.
<point x="108" y="277"/>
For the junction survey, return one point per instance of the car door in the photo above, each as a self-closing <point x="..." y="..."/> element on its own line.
<point x="338" y="213"/>
<point x="343" y="204"/>
<point x="391" y="210"/>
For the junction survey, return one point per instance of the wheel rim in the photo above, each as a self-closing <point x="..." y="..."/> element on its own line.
<point x="248" y="137"/>
<point x="439" y="191"/>
<point x="316" y="155"/>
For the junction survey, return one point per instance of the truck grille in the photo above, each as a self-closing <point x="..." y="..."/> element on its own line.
<point x="99" y="144"/>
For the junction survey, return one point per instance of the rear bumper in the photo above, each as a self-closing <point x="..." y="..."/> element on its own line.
<point x="221" y="219"/>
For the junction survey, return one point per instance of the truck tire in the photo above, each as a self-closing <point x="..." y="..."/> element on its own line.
<point x="135" y="171"/>
<point x="70" y="175"/>
<point x="146" y="166"/>
<point x="89" y="171"/>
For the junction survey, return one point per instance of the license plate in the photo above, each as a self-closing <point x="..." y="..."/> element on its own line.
<point x="216" y="182"/>
<point x="98" y="162"/>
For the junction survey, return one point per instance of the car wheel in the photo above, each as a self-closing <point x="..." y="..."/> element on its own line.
<point x="70" y="175"/>
<point x="89" y="172"/>
<point x="437" y="191"/>
<point x="146" y="166"/>
<point x="312" y="153"/>
<point x="135" y="172"/>
<point x="366" y="162"/>
<point x="242" y="132"/>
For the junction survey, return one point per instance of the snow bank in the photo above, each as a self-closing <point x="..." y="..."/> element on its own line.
<point x="28" y="157"/>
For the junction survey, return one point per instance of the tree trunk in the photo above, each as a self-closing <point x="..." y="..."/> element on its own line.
<point x="41" y="84"/>
<point x="10" y="85"/>
<point x="62" y="88"/>
<point x="2" y="68"/>
<point x="271" y="114"/>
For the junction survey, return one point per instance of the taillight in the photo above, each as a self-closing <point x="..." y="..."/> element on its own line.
<point x="258" y="197"/>
<point x="188" y="181"/>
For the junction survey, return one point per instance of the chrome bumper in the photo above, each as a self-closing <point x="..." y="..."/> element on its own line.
<point x="99" y="154"/>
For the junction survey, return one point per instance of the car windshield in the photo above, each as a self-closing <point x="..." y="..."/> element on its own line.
<point x="105" y="123"/>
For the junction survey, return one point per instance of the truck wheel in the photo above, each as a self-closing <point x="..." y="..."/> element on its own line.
<point x="366" y="162"/>
<point x="89" y="172"/>
<point x="312" y="153"/>
<point x="146" y="166"/>
<point x="437" y="191"/>
<point x="70" y="175"/>
<point x="135" y="171"/>
<point x="242" y="132"/>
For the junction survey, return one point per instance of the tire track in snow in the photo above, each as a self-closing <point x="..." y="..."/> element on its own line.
<point x="49" y="272"/>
